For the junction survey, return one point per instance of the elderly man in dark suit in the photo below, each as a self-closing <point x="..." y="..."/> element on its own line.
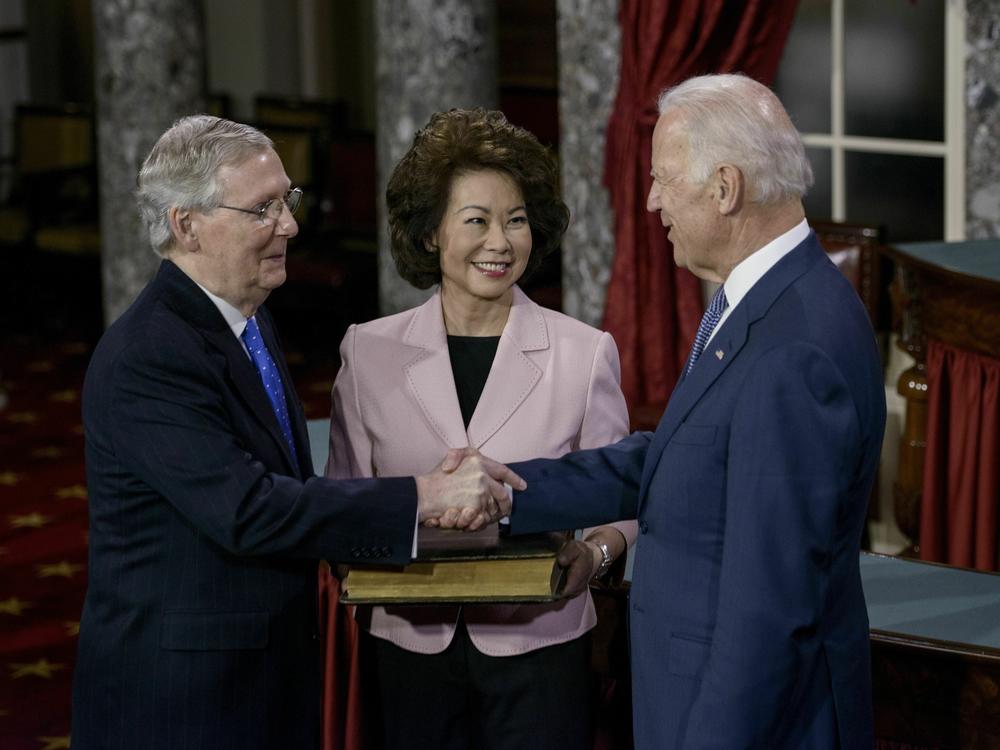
<point x="199" y="627"/>
<point x="747" y="617"/>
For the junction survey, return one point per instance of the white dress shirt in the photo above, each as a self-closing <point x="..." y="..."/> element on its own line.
<point x="752" y="268"/>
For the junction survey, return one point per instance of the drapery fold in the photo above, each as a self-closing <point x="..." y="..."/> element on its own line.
<point x="961" y="488"/>
<point x="653" y="307"/>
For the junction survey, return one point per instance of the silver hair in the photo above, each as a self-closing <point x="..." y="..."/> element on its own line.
<point x="733" y="119"/>
<point x="182" y="169"/>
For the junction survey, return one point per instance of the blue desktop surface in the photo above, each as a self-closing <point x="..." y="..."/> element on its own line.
<point x="974" y="258"/>
<point x="921" y="600"/>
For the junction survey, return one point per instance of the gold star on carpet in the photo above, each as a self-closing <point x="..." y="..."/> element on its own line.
<point x="13" y="606"/>
<point x="68" y="396"/>
<point x="49" y="452"/>
<point x="74" y="490"/>
<point x="4" y="712"/>
<point x="64" y="569"/>
<point x="41" y="365"/>
<point x="72" y="627"/>
<point x="54" y="743"/>
<point x="75" y="347"/>
<point x="9" y="478"/>
<point x="22" y="417"/>
<point x="41" y="668"/>
<point x="77" y="429"/>
<point x="29" y="521"/>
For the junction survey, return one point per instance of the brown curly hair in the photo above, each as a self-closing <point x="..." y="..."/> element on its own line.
<point x="458" y="142"/>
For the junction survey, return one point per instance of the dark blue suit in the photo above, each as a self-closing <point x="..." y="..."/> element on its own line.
<point x="748" y="621"/>
<point x="199" y="628"/>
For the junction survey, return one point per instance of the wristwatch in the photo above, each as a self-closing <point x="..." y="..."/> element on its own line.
<point x="606" y="559"/>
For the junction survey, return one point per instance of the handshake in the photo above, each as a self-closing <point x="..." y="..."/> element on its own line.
<point x="465" y="491"/>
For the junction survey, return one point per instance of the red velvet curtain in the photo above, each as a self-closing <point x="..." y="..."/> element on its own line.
<point x="958" y="518"/>
<point x="653" y="307"/>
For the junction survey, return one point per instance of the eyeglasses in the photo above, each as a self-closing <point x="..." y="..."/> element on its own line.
<point x="269" y="213"/>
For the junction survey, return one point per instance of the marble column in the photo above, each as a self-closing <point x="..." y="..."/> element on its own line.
<point x="150" y="70"/>
<point x="589" y="60"/>
<point x="430" y="55"/>
<point x="982" y="118"/>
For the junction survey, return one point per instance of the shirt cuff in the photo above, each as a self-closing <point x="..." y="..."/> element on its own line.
<point x="505" y="520"/>
<point x="416" y="530"/>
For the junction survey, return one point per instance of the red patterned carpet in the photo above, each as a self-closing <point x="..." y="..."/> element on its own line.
<point x="43" y="530"/>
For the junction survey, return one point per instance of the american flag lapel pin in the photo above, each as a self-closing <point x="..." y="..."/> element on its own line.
<point x="719" y="354"/>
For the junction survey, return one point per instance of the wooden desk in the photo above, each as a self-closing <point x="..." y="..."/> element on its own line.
<point x="935" y="634"/>
<point x="950" y="292"/>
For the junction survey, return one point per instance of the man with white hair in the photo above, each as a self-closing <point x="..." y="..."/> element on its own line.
<point x="747" y="617"/>
<point x="199" y="628"/>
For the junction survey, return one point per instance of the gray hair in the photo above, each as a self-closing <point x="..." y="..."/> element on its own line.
<point x="733" y="119"/>
<point x="183" y="167"/>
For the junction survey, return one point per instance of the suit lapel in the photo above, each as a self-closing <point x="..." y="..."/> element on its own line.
<point x="429" y="377"/>
<point x="729" y="341"/>
<point x="513" y="375"/>
<point x="188" y="301"/>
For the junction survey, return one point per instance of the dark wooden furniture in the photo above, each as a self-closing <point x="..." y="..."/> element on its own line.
<point x="854" y="248"/>
<point x="950" y="292"/>
<point x="54" y="204"/>
<point x="935" y="634"/>
<point x="327" y="115"/>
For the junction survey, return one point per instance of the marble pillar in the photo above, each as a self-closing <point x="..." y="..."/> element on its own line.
<point x="982" y="118"/>
<point x="430" y="55"/>
<point x="589" y="60"/>
<point x="150" y="70"/>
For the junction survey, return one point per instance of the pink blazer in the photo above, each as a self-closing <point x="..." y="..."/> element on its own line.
<point x="553" y="388"/>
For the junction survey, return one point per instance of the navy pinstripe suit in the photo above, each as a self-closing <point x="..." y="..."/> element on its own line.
<point x="199" y="625"/>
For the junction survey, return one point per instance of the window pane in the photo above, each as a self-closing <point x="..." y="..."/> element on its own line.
<point x="903" y="193"/>
<point x="803" y="79"/>
<point x="818" y="201"/>
<point x="894" y="69"/>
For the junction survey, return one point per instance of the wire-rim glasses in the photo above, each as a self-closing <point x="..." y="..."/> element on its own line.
<point x="268" y="213"/>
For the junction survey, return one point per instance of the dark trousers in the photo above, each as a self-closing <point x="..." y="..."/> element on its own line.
<point x="462" y="699"/>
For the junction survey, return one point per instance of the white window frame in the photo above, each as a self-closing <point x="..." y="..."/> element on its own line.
<point x="952" y="149"/>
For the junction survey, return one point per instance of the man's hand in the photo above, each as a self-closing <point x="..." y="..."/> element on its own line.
<point x="581" y="560"/>
<point x="465" y="491"/>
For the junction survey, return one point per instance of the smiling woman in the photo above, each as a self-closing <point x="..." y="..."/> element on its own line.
<point x="484" y="243"/>
<point x="474" y="207"/>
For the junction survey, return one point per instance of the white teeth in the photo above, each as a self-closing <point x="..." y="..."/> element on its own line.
<point x="491" y="266"/>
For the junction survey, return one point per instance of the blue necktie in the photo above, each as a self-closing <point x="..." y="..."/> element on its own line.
<point x="708" y="323"/>
<point x="271" y="379"/>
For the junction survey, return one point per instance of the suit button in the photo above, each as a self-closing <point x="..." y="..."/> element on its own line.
<point x="355" y="552"/>
<point x="386" y="552"/>
<point x="643" y="528"/>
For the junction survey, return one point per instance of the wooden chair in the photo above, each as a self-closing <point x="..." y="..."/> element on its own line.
<point x="219" y="104"/>
<point x="854" y="248"/>
<point x="325" y="115"/>
<point x="54" y="206"/>
<point x="51" y="223"/>
<point x="54" y="181"/>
